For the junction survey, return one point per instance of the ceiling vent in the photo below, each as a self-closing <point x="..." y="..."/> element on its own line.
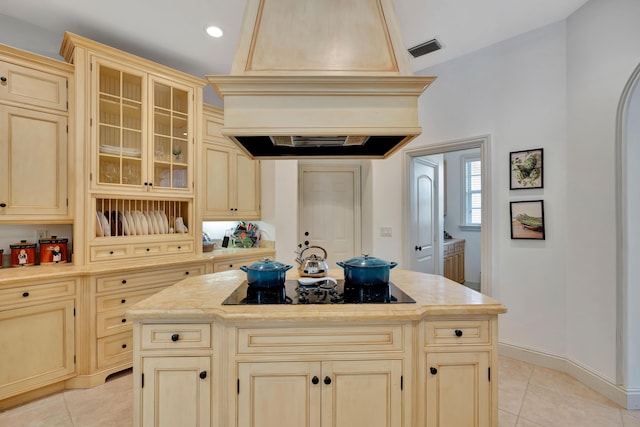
<point x="320" y="79"/>
<point x="424" y="48"/>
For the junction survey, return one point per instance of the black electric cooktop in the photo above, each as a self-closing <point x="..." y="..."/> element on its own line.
<point x="325" y="292"/>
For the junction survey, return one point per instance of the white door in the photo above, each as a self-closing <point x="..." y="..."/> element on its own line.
<point x="330" y="211"/>
<point x="423" y="217"/>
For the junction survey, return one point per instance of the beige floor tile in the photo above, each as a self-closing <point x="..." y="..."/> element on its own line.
<point x="46" y="412"/>
<point x="556" y="408"/>
<point x="513" y="378"/>
<point x="559" y="381"/>
<point x="506" y="419"/>
<point x="630" y="418"/>
<point x="526" y="423"/>
<point x="109" y="404"/>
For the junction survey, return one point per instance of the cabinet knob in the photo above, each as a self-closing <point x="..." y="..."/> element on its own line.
<point x="186" y="273"/>
<point x="433" y="370"/>
<point x="3" y="79"/>
<point x="203" y="375"/>
<point x="110" y="252"/>
<point x="123" y="301"/>
<point x="124" y="320"/>
<point x="315" y="380"/>
<point x="458" y="332"/>
<point x="327" y="380"/>
<point x="3" y="205"/>
<point x="175" y="337"/>
<point x="124" y="281"/>
<point x="124" y="346"/>
<point x="25" y="294"/>
<point x="148" y="249"/>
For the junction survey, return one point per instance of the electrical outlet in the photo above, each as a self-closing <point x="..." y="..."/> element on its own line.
<point x="385" y="232"/>
<point x="41" y="234"/>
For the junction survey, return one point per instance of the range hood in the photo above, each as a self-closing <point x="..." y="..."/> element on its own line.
<point x="322" y="79"/>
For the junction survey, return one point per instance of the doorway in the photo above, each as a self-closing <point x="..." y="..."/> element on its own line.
<point x="329" y="210"/>
<point x="481" y="143"/>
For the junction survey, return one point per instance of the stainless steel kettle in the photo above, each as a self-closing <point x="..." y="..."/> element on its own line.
<point x="313" y="265"/>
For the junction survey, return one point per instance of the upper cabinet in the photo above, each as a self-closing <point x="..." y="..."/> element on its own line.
<point x="140" y="118"/>
<point x="230" y="182"/>
<point x="34" y="138"/>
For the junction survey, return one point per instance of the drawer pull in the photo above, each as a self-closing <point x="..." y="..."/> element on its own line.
<point x="3" y="205"/>
<point x="175" y="337"/>
<point x="110" y="252"/>
<point x="148" y="249"/>
<point x="433" y="370"/>
<point x="327" y="380"/>
<point x="124" y="281"/>
<point x="3" y="79"/>
<point x="124" y="320"/>
<point x="179" y="247"/>
<point x="458" y="332"/>
<point x="123" y="301"/>
<point x="186" y="273"/>
<point x="124" y="346"/>
<point x="203" y="375"/>
<point x="315" y="380"/>
<point x="25" y="294"/>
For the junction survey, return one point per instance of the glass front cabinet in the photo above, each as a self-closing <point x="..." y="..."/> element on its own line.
<point x="143" y="131"/>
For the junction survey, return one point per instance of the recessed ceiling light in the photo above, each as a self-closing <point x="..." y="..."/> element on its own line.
<point x="214" y="31"/>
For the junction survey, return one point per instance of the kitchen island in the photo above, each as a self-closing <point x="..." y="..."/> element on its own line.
<point x="428" y="363"/>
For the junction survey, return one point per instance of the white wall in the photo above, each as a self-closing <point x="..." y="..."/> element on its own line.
<point x="603" y="51"/>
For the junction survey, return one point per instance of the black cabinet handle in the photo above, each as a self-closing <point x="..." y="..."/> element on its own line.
<point x="3" y="205"/>
<point x="151" y="184"/>
<point x="124" y="320"/>
<point x="148" y="249"/>
<point x="124" y="346"/>
<point x="123" y="301"/>
<point x="3" y="79"/>
<point x="315" y="380"/>
<point x="25" y="294"/>
<point x="146" y="183"/>
<point x="186" y="273"/>
<point x="179" y="247"/>
<point x="110" y="252"/>
<point x="458" y="332"/>
<point x="124" y="282"/>
<point x="175" y="337"/>
<point x="433" y="370"/>
<point x="327" y="380"/>
<point x="203" y="375"/>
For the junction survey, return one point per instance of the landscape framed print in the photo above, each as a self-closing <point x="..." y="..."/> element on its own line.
<point x="527" y="220"/>
<point x="526" y="169"/>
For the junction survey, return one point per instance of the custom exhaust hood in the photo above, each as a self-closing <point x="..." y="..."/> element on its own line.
<point x="322" y="79"/>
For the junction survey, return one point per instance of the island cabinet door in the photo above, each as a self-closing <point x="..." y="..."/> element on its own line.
<point x="458" y="390"/>
<point x="279" y="394"/>
<point x="362" y="393"/>
<point x="176" y="391"/>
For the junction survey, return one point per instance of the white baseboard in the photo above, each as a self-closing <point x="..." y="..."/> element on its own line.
<point x="627" y="398"/>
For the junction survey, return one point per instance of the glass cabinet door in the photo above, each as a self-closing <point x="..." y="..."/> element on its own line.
<point x="120" y="121"/>
<point x="171" y="136"/>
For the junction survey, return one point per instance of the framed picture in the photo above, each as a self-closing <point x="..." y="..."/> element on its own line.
<point x="527" y="220"/>
<point x="525" y="169"/>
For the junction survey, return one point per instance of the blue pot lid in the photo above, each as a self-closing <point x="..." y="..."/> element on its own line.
<point x="268" y="265"/>
<point x="367" y="262"/>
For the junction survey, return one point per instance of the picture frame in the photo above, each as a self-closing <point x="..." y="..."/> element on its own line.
<point x="526" y="169"/>
<point x="527" y="220"/>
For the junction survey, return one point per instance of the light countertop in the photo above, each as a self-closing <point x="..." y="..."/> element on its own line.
<point x="201" y="298"/>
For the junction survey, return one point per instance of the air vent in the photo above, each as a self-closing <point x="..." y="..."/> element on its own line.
<point x="424" y="48"/>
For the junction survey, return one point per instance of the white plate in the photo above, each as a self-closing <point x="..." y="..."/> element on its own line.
<point x="160" y="222"/>
<point x="131" y="222"/>
<point x="144" y="224"/>
<point x="124" y="222"/>
<point x="106" y="228"/>
<point x="153" y="224"/>
<point x="99" y="230"/>
<point x="140" y="227"/>
<point x="166" y="222"/>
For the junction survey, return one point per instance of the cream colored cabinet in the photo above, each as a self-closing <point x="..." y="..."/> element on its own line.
<point x="231" y="186"/>
<point x="107" y="346"/>
<point x="236" y="262"/>
<point x="328" y="393"/>
<point x="454" y="260"/>
<point x="459" y="388"/>
<point x="176" y="391"/>
<point x="33" y="137"/>
<point x="37" y="335"/>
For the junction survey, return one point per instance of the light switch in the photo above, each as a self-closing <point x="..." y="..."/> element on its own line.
<point x="385" y="232"/>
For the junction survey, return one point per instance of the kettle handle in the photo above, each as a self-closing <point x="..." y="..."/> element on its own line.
<point x="317" y="247"/>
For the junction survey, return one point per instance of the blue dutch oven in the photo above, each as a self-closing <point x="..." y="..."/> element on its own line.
<point x="266" y="273"/>
<point x="366" y="270"/>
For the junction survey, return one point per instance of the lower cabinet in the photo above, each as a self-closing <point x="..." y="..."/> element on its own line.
<point x="176" y="391"/>
<point x="458" y="389"/>
<point x="236" y="262"/>
<point x="328" y="393"/>
<point x="36" y="340"/>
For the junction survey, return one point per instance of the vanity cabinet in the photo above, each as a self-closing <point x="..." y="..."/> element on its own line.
<point x="36" y="335"/>
<point x="231" y="187"/>
<point x="454" y="260"/>
<point x="456" y="373"/>
<point x="33" y="132"/>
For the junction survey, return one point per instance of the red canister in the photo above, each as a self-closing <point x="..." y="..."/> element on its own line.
<point x="53" y="250"/>
<point x="23" y="254"/>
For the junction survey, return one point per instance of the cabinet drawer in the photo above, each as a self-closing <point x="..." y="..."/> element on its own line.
<point x="180" y="247"/>
<point x="37" y="292"/>
<point x="112" y="322"/>
<point x="234" y="264"/>
<point x="33" y="87"/>
<point x="155" y="278"/>
<point x="123" y="300"/>
<point x="453" y="332"/>
<point x="104" y="253"/>
<point x="320" y="340"/>
<point x="185" y="335"/>
<point x="146" y="249"/>
<point x="115" y="349"/>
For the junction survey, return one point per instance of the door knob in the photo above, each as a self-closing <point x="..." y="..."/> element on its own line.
<point x="418" y="248"/>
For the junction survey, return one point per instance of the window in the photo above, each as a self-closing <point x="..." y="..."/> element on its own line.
<point x="472" y="203"/>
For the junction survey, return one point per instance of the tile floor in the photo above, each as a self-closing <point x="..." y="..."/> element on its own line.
<point x="530" y="396"/>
